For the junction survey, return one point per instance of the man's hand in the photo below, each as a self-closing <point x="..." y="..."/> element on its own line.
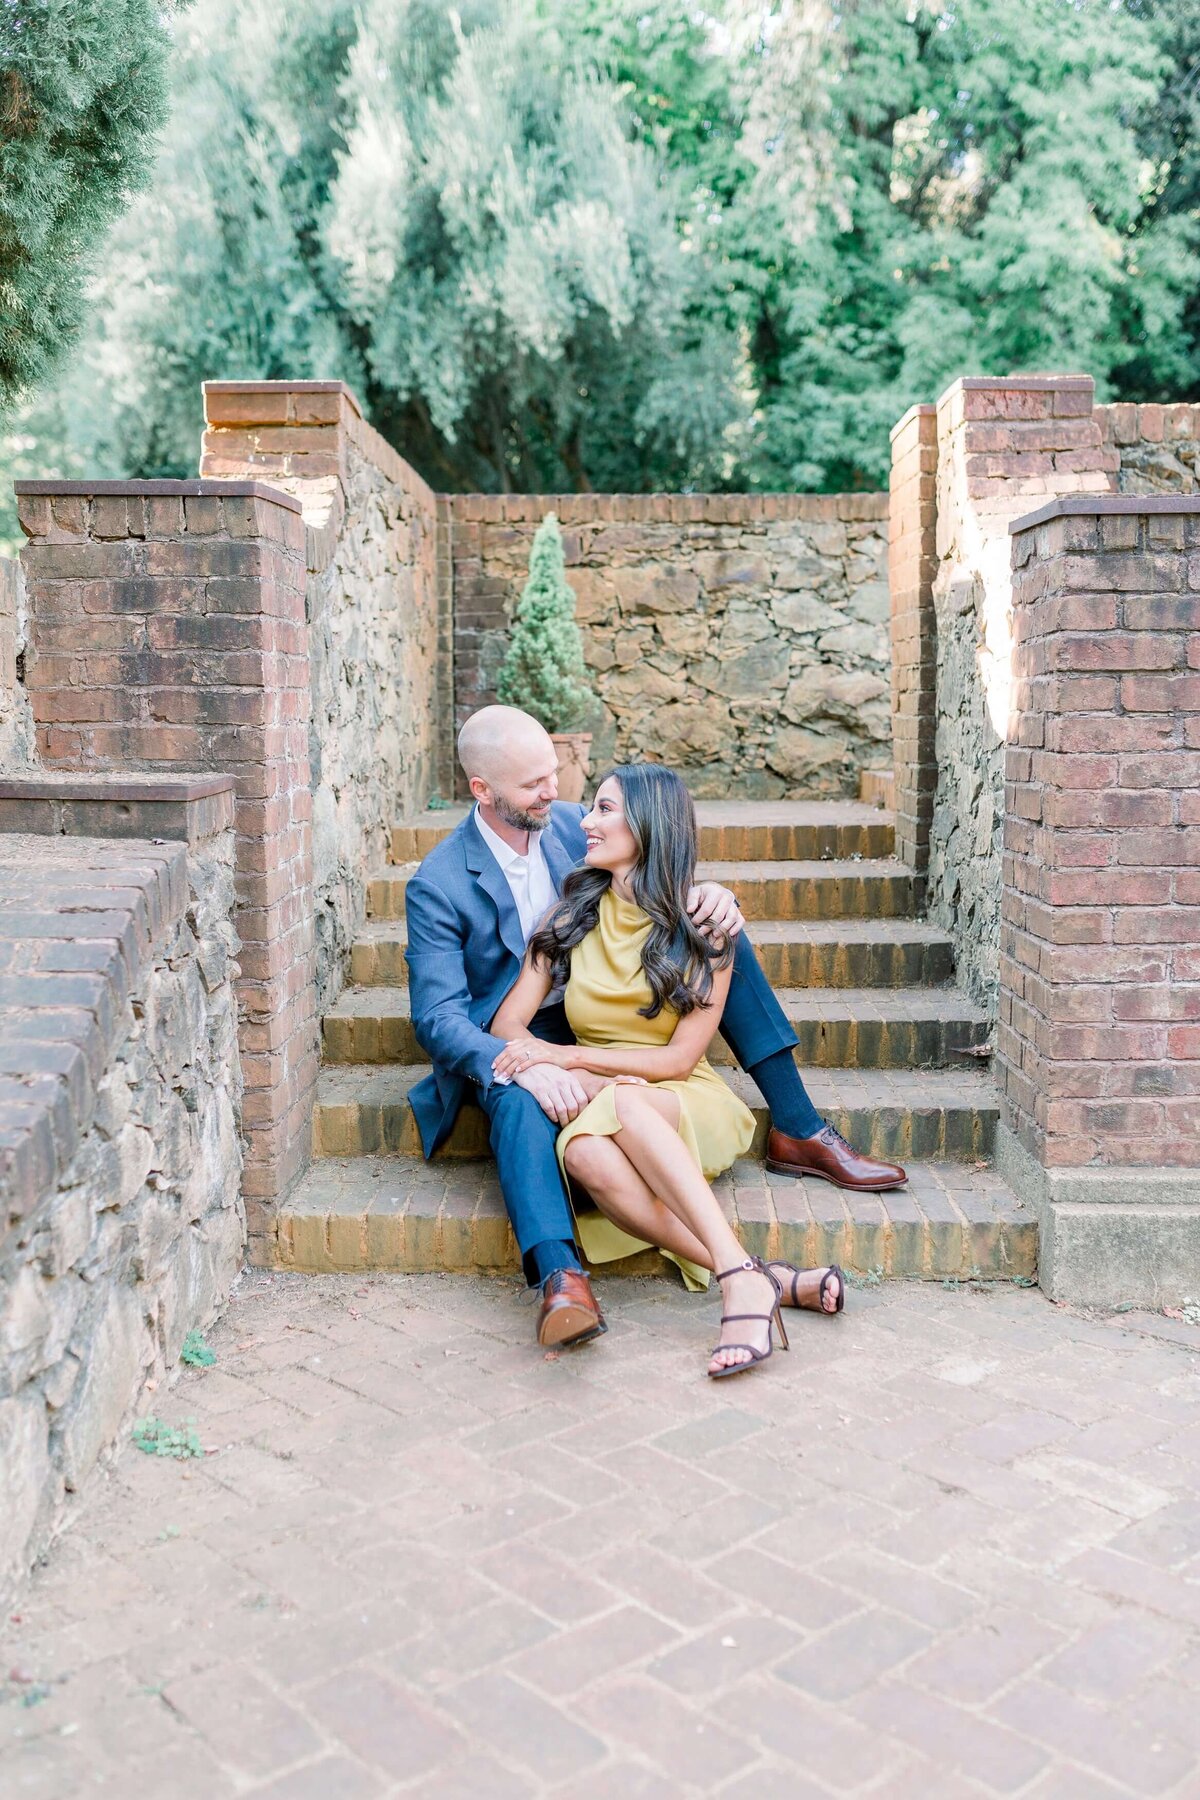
<point x="714" y="911"/>
<point x="560" y="1094"/>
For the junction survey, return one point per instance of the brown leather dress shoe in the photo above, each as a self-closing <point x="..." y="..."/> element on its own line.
<point x="830" y="1156"/>
<point x="569" y="1313"/>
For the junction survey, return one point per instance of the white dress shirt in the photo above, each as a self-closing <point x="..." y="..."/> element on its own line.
<point x="528" y="878"/>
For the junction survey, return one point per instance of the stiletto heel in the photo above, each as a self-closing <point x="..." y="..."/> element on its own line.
<point x="773" y="1321"/>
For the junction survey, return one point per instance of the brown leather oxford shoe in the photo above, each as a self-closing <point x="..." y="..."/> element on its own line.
<point x="569" y="1312"/>
<point x="829" y="1156"/>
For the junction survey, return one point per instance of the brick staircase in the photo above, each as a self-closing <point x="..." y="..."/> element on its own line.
<point x="884" y="1043"/>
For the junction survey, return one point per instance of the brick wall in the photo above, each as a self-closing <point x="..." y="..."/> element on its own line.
<point x="167" y="632"/>
<point x="120" y="1096"/>
<point x="1099" y="1033"/>
<point x="912" y="564"/>
<point x="1003" y="445"/>
<point x="378" y="606"/>
<point x="740" y="637"/>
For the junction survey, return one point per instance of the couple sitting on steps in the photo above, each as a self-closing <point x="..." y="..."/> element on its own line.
<point x="567" y="975"/>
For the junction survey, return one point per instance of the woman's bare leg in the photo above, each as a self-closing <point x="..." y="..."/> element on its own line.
<point x="603" y="1168"/>
<point x="650" y="1139"/>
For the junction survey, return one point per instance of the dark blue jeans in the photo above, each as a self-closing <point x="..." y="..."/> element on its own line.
<point x="522" y="1137"/>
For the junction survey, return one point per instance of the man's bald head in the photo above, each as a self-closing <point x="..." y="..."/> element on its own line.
<point x="511" y="765"/>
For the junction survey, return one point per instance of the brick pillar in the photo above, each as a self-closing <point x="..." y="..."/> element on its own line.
<point x="1004" y="445"/>
<point x="167" y="632"/>
<point x="1099" y="1033"/>
<point x="294" y="434"/>
<point x="912" y="563"/>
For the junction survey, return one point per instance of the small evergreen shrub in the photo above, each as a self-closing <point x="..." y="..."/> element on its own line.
<point x="543" y="672"/>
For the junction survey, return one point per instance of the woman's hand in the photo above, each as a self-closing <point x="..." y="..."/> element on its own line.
<point x="526" y="1053"/>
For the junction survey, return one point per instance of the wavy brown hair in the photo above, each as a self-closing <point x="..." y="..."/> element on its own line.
<point x="678" y="960"/>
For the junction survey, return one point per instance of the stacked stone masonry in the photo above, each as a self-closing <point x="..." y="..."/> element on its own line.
<point x="167" y="632"/>
<point x="120" y="1097"/>
<point x="16" y="720"/>
<point x="378" y="609"/>
<point x="741" y="638"/>
<point x="1158" y="446"/>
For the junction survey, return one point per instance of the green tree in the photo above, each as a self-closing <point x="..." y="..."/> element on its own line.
<point x="543" y="671"/>
<point x="445" y="209"/>
<point x="969" y="192"/>
<point x="83" y="92"/>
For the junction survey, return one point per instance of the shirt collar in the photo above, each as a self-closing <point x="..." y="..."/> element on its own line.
<point x="504" y="853"/>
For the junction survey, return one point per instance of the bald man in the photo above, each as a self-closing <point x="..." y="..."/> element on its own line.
<point x="471" y="909"/>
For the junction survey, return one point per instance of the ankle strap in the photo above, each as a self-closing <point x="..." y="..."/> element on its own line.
<point x="751" y="1262"/>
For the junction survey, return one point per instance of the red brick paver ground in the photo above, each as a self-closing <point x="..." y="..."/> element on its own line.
<point x="950" y="1545"/>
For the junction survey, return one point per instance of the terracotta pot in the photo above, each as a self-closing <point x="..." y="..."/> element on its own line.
<point x="574" y="755"/>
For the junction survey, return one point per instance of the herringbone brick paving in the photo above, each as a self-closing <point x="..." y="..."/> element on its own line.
<point x="948" y="1546"/>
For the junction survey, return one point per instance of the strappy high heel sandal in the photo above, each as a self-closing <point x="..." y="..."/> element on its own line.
<point x="772" y="1320"/>
<point x="832" y="1273"/>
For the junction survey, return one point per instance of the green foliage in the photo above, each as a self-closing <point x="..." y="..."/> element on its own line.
<point x="543" y="671"/>
<point x="196" y="1352"/>
<point x="157" y="1438"/>
<point x="83" y="91"/>
<point x="623" y="246"/>
<point x="972" y="196"/>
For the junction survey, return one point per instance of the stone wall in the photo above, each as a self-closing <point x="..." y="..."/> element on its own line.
<point x="1099" y="1039"/>
<point x="16" y="720"/>
<point x="1003" y="445"/>
<point x="379" y="631"/>
<point x="741" y="638"/>
<point x="120" y="1094"/>
<point x="1158" y="446"/>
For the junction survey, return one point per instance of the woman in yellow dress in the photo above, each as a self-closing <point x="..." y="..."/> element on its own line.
<point x="644" y="995"/>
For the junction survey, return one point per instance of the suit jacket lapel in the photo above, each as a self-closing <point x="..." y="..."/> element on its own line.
<point x="490" y="876"/>
<point x="559" y="860"/>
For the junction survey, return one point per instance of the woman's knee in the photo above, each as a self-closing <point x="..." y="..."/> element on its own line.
<point x="585" y="1156"/>
<point x="635" y="1106"/>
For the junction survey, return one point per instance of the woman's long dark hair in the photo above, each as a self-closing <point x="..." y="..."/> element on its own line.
<point x="677" y="958"/>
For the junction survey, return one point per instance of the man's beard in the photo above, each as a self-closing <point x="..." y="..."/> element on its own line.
<point x="514" y="816"/>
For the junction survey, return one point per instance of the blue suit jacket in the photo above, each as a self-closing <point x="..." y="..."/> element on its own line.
<point x="465" y="950"/>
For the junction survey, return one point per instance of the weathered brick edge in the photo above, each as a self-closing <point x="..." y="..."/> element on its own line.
<point x="167" y="632"/>
<point x="79" y="925"/>
<point x="891" y="1235"/>
<point x="1099" y="1046"/>
<point x="912" y="564"/>
<point x="139" y="806"/>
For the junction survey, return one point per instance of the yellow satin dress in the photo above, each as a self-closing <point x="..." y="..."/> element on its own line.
<point x="606" y="987"/>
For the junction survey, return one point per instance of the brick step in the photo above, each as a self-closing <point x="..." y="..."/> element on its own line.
<point x="838" y="1028"/>
<point x="851" y="953"/>
<point x="944" y="1116"/>
<point x="867" y="889"/>
<point x="877" y="787"/>
<point x="730" y="830"/>
<point x="951" y="1222"/>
